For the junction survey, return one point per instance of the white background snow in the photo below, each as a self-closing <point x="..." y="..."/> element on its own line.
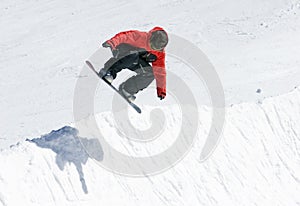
<point x="253" y="44"/>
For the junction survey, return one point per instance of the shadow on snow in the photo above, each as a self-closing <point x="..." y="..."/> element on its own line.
<point x="70" y="148"/>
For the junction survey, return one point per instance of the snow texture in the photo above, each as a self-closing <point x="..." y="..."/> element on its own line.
<point x="256" y="163"/>
<point x="254" y="46"/>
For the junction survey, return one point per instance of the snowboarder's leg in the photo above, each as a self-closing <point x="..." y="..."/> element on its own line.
<point x="114" y="65"/>
<point x="140" y="81"/>
<point x="110" y="70"/>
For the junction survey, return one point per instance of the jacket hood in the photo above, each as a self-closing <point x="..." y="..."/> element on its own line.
<point x="157" y="28"/>
<point x="152" y="38"/>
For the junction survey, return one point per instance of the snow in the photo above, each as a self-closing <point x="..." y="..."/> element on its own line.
<point x="256" y="163"/>
<point x="252" y="44"/>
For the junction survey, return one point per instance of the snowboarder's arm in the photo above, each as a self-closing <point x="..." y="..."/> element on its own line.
<point x="159" y="72"/>
<point x="129" y="37"/>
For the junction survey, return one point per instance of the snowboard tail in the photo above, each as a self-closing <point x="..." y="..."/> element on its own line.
<point x="134" y="106"/>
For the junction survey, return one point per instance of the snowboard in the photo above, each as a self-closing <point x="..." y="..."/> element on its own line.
<point x="134" y="106"/>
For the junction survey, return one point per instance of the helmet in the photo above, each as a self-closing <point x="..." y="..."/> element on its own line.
<point x="158" y="40"/>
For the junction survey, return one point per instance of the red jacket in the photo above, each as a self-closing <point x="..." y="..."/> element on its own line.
<point x="141" y="40"/>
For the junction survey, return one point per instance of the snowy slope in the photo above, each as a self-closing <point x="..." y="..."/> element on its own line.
<point x="256" y="163"/>
<point x="252" y="44"/>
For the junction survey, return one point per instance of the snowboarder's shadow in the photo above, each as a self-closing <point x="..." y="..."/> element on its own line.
<point x="70" y="148"/>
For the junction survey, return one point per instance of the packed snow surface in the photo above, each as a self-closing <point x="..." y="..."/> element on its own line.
<point x="46" y="160"/>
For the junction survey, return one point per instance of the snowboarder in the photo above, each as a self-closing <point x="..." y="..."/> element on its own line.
<point x="141" y="52"/>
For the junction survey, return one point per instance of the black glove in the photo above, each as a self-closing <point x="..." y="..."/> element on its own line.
<point x="106" y="45"/>
<point x="148" y="56"/>
<point x="151" y="57"/>
<point x="161" y="97"/>
<point x="115" y="52"/>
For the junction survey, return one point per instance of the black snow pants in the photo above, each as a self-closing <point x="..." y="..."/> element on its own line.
<point x="131" y="58"/>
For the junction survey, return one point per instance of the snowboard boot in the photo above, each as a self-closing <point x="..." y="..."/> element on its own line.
<point x="106" y="75"/>
<point x="126" y="94"/>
